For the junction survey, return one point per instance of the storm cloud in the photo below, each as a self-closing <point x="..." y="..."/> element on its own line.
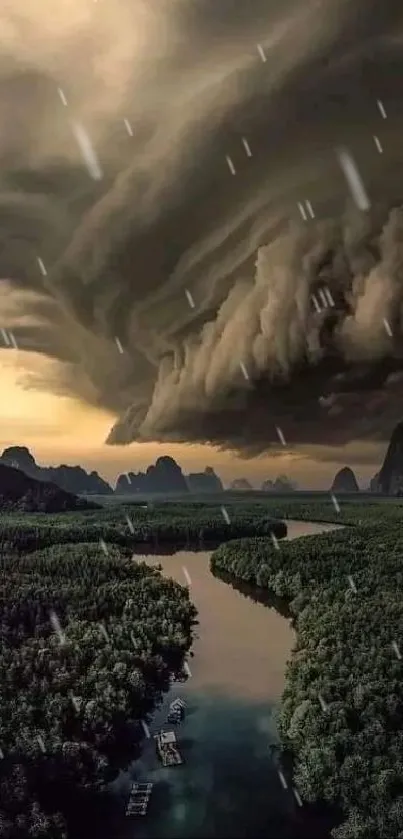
<point x="222" y="248"/>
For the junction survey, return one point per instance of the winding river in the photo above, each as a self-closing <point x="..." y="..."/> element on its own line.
<point x="229" y="785"/>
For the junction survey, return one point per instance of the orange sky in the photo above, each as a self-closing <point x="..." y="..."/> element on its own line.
<point x="60" y="430"/>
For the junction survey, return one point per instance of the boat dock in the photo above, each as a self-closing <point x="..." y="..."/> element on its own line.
<point x="139" y="798"/>
<point x="167" y="748"/>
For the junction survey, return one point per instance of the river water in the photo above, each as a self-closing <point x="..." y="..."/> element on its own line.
<point x="229" y="786"/>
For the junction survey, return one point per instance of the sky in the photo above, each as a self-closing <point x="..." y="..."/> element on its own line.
<point x="59" y="429"/>
<point x="201" y="232"/>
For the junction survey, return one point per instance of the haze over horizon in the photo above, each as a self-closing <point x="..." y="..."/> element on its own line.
<point x="59" y="429"/>
<point x="162" y="304"/>
<point x="44" y="423"/>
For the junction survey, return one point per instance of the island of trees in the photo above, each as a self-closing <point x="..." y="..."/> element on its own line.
<point x="88" y="643"/>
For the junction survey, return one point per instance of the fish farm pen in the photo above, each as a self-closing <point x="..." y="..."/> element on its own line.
<point x="169" y="754"/>
<point x="139" y="799"/>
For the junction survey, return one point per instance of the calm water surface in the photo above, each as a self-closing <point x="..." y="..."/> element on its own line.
<point x="229" y="785"/>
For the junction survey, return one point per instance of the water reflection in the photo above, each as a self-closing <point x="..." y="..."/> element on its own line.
<point x="241" y="646"/>
<point x="256" y="594"/>
<point x="155" y="549"/>
<point x="228" y="786"/>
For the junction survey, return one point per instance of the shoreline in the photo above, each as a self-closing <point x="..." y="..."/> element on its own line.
<point x="138" y="770"/>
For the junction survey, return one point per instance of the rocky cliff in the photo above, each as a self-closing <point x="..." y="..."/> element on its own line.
<point x="390" y="478"/>
<point x="73" y="479"/>
<point x="374" y="484"/>
<point x="345" y="481"/>
<point x="164" y="477"/>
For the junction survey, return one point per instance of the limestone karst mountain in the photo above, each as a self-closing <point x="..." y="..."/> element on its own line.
<point x="374" y="484"/>
<point x="72" y="479"/>
<point x="207" y="481"/>
<point x="163" y="477"/>
<point x="390" y="477"/>
<point x="20" y="492"/>
<point x="345" y="481"/>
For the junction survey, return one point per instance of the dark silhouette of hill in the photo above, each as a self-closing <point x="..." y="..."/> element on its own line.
<point x="390" y="478"/>
<point x="345" y="481"/>
<point x="207" y="481"/>
<point x="374" y="483"/>
<point x="165" y="477"/>
<point x="73" y="479"/>
<point x="281" y="484"/>
<point x="18" y="491"/>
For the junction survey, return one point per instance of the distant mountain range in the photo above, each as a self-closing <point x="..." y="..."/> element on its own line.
<point x="281" y="484"/>
<point x="164" y="477"/>
<point x="19" y="492"/>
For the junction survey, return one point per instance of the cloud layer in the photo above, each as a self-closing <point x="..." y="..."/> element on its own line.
<point x="236" y="316"/>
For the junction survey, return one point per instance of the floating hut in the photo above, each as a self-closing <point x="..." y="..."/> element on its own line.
<point x="176" y="711"/>
<point x="139" y="798"/>
<point x="167" y="748"/>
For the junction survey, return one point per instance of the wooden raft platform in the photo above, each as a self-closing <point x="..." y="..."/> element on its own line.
<point x="139" y="799"/>
<point x="167" y="749"/>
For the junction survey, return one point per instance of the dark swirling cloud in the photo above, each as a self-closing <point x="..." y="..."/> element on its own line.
<point x="211" y="281"/>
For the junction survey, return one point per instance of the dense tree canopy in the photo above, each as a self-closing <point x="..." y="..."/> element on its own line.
<point x="67" y="694"/>
<point x="342" y="709"/>
<point x="133" y="526"/>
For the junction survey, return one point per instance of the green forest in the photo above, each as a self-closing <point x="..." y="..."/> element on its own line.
<point x="129" y="526"/>
<point x="90" y="638"/>
<point x="341" y="716"/>
<point x="70" y="697"/>
<point x="67" y="693"/>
